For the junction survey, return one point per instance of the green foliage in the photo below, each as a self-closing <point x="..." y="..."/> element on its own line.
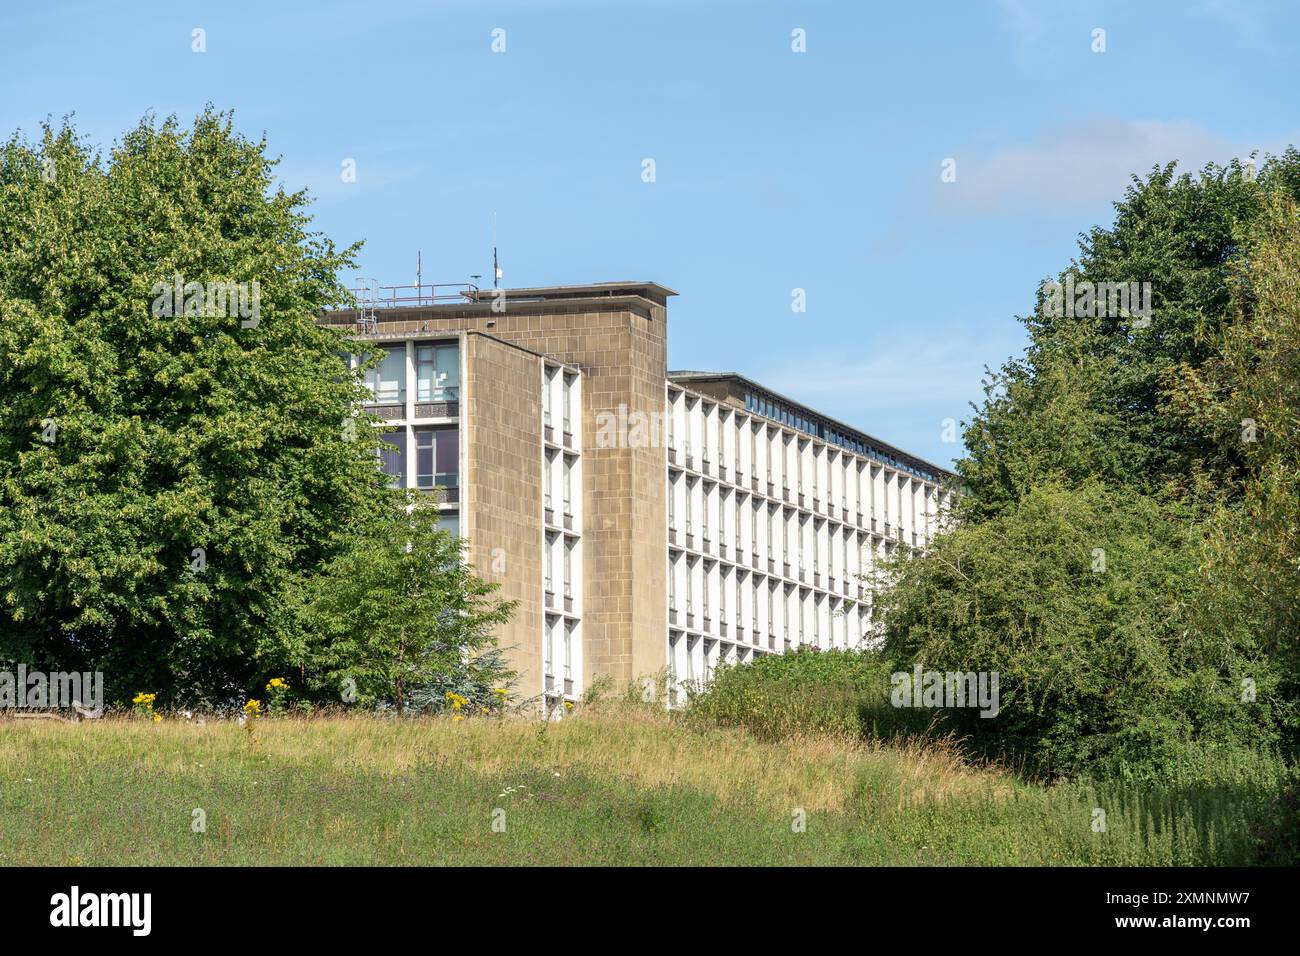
<point x="1277" y="834"/>
<point x="1081" y="600"/>
<point x="402" y="615"/>
<point x="1247" y="398"/>
<point x="130" y="437"/>
<point x="808" y="692"/>
<point x="1089" y="399"/>
<point x="1110" y="435"/>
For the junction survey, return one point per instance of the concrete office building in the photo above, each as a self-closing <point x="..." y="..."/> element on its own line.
<point x="645" y="520"/>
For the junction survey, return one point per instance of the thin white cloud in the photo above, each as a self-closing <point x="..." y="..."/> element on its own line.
<point x="937" y="366"/>
<point x="1024" y="19"/>
<point x="326" y="183"/>
<point x="1081" y="163"/>
<point x="1249" y="19"/>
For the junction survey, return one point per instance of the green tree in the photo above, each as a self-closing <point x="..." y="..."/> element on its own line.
<point x="1090" y="398"/>
<point x="1247" y="397"/>
<point x="402" y="618"/>
<point x="170" y="465"/>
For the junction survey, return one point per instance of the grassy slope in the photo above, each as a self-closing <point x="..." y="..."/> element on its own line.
<point x="614" y="786"/>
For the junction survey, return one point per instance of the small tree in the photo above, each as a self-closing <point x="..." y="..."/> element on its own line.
<point x="402" y="617"/>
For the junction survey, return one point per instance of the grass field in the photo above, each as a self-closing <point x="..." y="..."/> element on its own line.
<point x="613" y="785"/>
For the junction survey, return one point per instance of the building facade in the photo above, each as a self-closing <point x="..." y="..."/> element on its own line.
<point x="646" y="521"/>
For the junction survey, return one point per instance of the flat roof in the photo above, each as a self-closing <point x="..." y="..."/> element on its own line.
<point x="610" y="288"/>
<point x="686" y="377"/>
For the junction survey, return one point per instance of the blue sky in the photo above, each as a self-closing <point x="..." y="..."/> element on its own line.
<point x="774" y="170"/>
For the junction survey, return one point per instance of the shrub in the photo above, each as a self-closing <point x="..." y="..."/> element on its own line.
<point x="808" y="692"/>
<point x="1081" y="600"/>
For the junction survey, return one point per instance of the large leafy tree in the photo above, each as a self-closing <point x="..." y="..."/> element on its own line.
<point x="167" y="470"/>
<point x="1167" y="451"/>
<point x="1090" y="397"/>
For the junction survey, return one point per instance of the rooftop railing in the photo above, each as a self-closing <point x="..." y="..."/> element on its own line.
<point x="371" y="295"/>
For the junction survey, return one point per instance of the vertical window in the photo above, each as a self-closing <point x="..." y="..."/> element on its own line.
<point x="546" y="651"/>
<point x="437" y="373"/>
<point x="450" y="522"/>
<point x="437" y="457"/>
<point x="392" y="457"/>
<point x="568" y="656"/>
<point x="568" y="570"/>
<point x="387" y="382"/>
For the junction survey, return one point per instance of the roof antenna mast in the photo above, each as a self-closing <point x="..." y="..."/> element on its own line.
<point x="496" y="269"/>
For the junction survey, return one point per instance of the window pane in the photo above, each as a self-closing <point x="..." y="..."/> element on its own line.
<point x="392" y="456"/>
<point x="437" y="457"/>
<point x="388" y="381"/>
<point x="424" y="458"/>
<point x="450" y="522"/>
<point x="447" y="383"/>
<point x="424" y="373"/>
<point x="437" y="373"/>
<point x="447" y="456"/>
